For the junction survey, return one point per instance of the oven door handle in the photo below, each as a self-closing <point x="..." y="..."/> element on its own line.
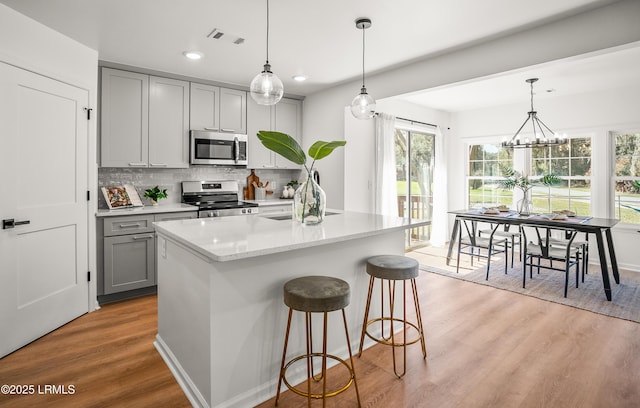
<point x="236" y="149"/>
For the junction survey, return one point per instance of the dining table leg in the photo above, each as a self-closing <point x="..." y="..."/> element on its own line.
<point x="612" y="256"/>
<point x="603" y="265"/>
<point x="454" y="234"/>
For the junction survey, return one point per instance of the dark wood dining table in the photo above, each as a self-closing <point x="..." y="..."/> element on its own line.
<point x="599" y="227"/>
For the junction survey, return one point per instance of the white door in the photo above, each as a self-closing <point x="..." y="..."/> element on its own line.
<point x="43" y="179"/>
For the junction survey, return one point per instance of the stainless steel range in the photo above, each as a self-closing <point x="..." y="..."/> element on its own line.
<point x="216" y="198"/>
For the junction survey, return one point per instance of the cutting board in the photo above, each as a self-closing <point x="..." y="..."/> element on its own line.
<point x="250" y="190"/>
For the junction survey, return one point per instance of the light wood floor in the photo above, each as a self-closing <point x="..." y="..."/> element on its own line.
<point x="486" y="348"/>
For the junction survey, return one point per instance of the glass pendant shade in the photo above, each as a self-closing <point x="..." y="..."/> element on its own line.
<point x="266" y="88"/>
<point x="363" y="105"/>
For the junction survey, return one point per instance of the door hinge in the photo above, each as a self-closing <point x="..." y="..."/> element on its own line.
<point x="88" y="113"/>
<point x="88" y="195"/>
<point x="88" y="276"/>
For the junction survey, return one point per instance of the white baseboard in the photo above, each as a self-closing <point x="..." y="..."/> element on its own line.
<point x="188" y="387"/>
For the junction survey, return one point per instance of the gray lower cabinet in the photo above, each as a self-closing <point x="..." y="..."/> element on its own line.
<point x="127" y="251"/>
<point x="129" y="262"/>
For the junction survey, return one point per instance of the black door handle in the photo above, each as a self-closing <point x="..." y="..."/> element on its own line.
<point x="10" y="223"/>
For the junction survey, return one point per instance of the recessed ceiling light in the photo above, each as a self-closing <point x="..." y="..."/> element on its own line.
<point x="193" y="55"/>
<point x="299" y="78"/>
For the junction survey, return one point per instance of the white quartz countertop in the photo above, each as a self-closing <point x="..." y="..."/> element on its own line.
<point x="231" y="238"/>
<point x="147" y="209"/>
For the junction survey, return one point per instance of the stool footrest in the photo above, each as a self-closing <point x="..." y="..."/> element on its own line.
<point x="383" y="340"/>
<point x="318" y="395"/>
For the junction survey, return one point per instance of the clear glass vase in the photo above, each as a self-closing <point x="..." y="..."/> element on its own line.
<point x="525" y="206"/>
<point x="309" y="202"/>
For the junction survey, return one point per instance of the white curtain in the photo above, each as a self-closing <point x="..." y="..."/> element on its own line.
<point x="440" y="223"/>
<point x="386" y="192"/>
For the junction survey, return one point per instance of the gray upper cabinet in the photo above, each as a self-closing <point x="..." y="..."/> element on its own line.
<point x="144" y="121"/>
<point x="285" y="117"/>
<point x="233" y="111"/>
<point x="205" y="107"/>
<point x="124" y="119"/>
<point x="168" y="123"/>
<point x="259" y="118"/>
<point x="218" y="109"/>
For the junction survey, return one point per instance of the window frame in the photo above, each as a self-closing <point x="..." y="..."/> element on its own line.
<point x="469" y="178"/>
<point x="614" y="178"/>
<point x="538" y="190"/>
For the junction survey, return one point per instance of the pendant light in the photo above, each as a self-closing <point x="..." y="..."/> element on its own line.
<point x="363" y="106"/>
<point x="266" y="88"/>
<point x="540" y="137"/>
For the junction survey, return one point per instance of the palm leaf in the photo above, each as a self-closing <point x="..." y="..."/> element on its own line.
<point x="550" y="180"/>
<point x="321" y="149"/>
<point x="282" y="144"/>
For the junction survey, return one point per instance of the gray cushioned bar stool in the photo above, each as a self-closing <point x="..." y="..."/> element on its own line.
<point x="392" y="268"/>
<point x="316" y="294"/>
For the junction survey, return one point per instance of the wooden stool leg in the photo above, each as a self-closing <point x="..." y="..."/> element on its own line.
<point x="284" y="353"/>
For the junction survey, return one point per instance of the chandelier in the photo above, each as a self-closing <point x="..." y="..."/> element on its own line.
<point x="542" y="135"/>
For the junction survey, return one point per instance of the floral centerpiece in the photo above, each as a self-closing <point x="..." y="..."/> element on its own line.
<point x="309" y="199"/>
<point x="513" y="179"/>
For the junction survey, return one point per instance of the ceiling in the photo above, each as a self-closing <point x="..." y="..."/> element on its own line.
<point x="315" y="38"/>
<point x="584" y="74"/>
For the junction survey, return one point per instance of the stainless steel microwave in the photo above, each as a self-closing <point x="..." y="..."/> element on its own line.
<point x="208" y="147"/>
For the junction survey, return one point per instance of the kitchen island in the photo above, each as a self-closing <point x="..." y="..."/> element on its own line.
<point x="221" y="317"/>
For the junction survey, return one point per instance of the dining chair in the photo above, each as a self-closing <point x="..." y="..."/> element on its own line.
<point x="582" y="247"/>
<point x="508" y="231"/>
<point x="471" y="242"/>
<point x="540" y="247"/>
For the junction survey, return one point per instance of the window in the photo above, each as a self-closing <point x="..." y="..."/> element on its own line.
<point x="485" y="163"/>
<point x="572" y="163"/>
<point x="414" y="177"/>
<point x="627" y="177"/>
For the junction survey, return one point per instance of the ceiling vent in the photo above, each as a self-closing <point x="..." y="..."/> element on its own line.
<point x="217" y="34"/>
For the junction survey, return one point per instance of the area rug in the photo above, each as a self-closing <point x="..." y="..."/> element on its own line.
<point x="549" y="285"/>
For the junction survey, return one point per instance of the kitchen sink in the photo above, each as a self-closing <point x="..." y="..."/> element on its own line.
<point x="288" y="217"/>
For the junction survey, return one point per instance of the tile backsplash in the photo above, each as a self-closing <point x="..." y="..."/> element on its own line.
<point x="170" y="179"/>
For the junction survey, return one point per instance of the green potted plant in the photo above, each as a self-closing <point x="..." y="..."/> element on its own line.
<point x="309" y="199"/>
<point x="155" y="194"/>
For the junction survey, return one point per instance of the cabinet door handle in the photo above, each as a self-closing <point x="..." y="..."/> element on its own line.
<point x="137" y="164"/>
<point x="134" y="225"/>
<point x="210" y="128"/>
<point x="158" y="164"/>
<point x="136" y="237"/>
<point x="227" y="130"/>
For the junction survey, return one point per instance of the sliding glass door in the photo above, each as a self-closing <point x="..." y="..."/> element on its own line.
<point x="414" y="149"/>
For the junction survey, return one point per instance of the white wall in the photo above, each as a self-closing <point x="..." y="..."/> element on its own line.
<point x="594" y="115"/>
<point x="611" y="25"/>
<point x="30" y="45"/>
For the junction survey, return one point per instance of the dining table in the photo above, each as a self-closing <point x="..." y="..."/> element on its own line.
<point x="599" y="227"/>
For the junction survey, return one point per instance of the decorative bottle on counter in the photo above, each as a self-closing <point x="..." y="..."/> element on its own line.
<point x="309" y="202"/>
